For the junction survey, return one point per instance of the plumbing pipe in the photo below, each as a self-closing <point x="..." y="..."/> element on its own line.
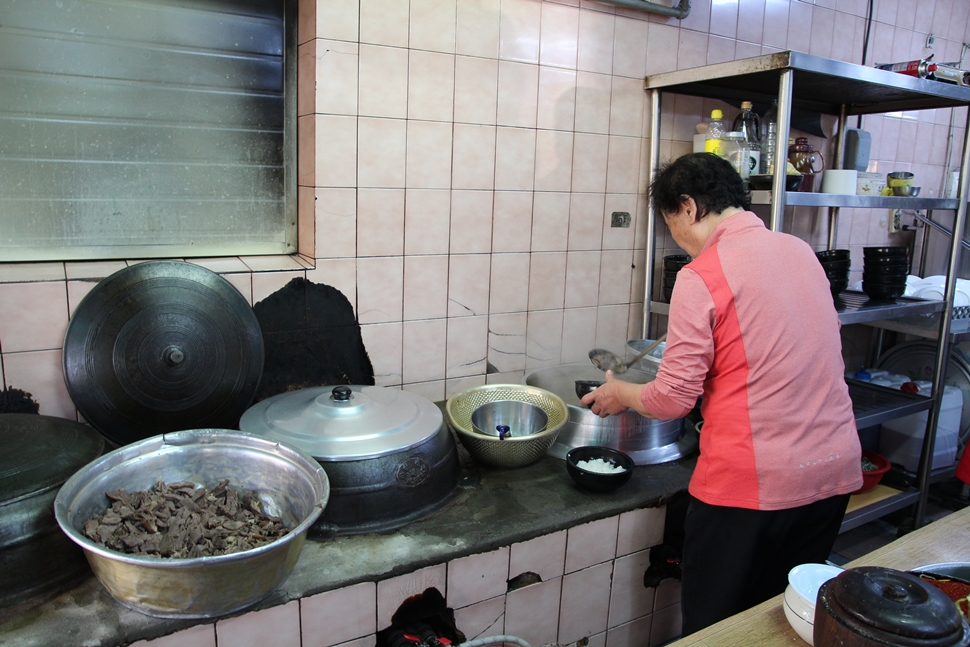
<point x="680" y="11"/>
<point x="491" y="640"/>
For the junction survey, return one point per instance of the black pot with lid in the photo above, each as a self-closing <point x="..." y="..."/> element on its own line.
<point x="872" y="605"/>
<point x="388" y="454"/>
<point x="37" y="455"/>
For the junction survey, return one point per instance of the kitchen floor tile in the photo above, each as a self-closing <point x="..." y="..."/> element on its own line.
<point x="479" y="577"/>
<point x="550" y="222"/>
<point x="338" y="616"/>
<point x="558" y="35"/>
<point x="101" y="269"/>
<point x="554" y="157"/>
<point x="666" y="625"/>
<point x="20" y="272"/>
<point x="532" y="613"/>
<point x="518" y="94"/>
<point x="432" y="25"/>
<point x="477" y="28"/>
<point x="630" y="38"/>
<point x="197" y="636"/>
<point x="586" y="221"/>
<point x="467" y="289"/>
<point x="512" y="221"/>
<point x="393" y="592"/>
<point x="471" y="222"/>
<point x="506" y="342"/>
<point x="543" y="339"/>
<point x="483" y="619"/>
<point x="593" y="102"/>
<point x="519" y="30"/>
<point x="427" y="217"/>
<point x="429" y="154"/>
<point x="629" y="598"/>
<point x="556" y="99"/>
<point x="474" y="157"/>
<point x="585" y="603"/>
<point x="631" y="633"/>
<point x="384" y="344"/>
<point x="277" y="626"/>
<point x="596" y="42"/>
<point x="640" y="529"/>
<point x="515" y="154"/>
<point x="381" y="153"/>
<point x="266" y="283"/>
<point x="591" y="543"/>
<point x="33" y="316"/>
<point x="384" y="22"/>
<point x="431" y="85"/>
<point x="545" y="556"/>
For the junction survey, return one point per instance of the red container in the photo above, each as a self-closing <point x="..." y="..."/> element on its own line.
<point x="871" y="479"/>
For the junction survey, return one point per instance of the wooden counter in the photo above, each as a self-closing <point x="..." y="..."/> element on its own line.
<point x="945" y="540"/>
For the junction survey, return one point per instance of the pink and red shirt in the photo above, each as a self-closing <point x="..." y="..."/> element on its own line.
<point x="752" y="326"/>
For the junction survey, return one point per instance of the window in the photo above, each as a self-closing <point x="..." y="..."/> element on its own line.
<point x="147" y="128"/>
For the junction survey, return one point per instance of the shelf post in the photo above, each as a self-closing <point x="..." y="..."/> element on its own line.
<point x="781" y="150"/>
<point x="943" y="348"/>
<point x="839" y="161"/>
<point x="652" y="163"/>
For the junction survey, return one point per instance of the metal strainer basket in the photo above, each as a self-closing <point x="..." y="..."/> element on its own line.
<point x="514" y="451"/>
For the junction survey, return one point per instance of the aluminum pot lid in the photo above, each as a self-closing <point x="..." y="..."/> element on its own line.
<point x="41" y="452"/>
<point x="345" y="423"/>
<point x="162" y="346"/>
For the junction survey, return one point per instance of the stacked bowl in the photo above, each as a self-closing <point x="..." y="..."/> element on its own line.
<point x="672" y="265"/>
<point x="884" y="272"/>
<point x="836" y="263"/>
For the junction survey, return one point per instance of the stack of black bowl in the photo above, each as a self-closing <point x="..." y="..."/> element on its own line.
<point x="884" y="272"/>
<point x="835" y="262"/>
<point x="672" y="265"/>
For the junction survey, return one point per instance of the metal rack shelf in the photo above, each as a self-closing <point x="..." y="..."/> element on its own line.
<point x="889" y="500"/>
<point x="806" y="82"/>
<point x="855" y="307"/>
<point x="873" y="404"/>
<point x="800" y="199"/>
<point x="820" y="84"/>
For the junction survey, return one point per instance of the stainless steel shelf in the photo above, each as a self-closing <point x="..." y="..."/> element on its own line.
<point x="855" y="307"/>
<point x="879" y="509"/>
<point x="926" y="327"/>
<point x="873" y="404"/>
<point x="800" y="199"/>
<point x="820" y="84"/>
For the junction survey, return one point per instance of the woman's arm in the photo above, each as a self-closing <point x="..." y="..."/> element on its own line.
<point x="686" y="360"/>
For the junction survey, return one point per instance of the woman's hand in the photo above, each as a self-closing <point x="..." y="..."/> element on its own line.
<point x="613" y="397"/>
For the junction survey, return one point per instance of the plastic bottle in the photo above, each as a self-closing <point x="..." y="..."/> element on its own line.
<point x="749" y="124"/>
<point x="769" y="137"/>
<point x="735" y="150"/>
<point x="715" y="133"/>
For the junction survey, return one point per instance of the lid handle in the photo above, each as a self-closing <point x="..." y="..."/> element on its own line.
<point x="503" y="431"/>
<point x="341" y="393"/>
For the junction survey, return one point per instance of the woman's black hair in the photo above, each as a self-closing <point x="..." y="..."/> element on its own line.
<point x="709" y="179"/>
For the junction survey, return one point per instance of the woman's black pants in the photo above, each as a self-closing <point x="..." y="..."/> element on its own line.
<point x="735" y="558"/>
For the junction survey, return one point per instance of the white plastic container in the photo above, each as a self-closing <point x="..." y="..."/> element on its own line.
<point x="901" y="440"/>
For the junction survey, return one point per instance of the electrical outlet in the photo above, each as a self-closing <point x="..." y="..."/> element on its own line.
<point x="895" y="221"/>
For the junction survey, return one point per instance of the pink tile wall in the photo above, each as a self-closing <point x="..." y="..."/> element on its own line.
<point x="459" y="161"/>
<point x="602" y="599"/>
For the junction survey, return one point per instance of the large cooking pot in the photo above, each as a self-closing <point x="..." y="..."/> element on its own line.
<point x="647" y="441"/>
<point x="389" y="457"/>
<point x="39" y="453"/>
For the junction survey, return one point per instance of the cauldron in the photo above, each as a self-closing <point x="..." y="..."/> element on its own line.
<point x="388" y="454"/>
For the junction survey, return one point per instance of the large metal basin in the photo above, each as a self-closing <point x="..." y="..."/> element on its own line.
<point x="291" y="485"/>
<point x="647" y="441"/>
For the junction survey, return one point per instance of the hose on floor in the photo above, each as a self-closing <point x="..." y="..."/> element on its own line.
<point x="491" y="640"/>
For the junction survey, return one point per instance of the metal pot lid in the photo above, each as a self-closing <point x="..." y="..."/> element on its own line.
<point x="890" y="603"/>
<point x="162" y="346"/>
<point x="345" y="423"/>
<point x="41" y="452"/>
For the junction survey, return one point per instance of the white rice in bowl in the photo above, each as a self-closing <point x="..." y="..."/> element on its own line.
<point x="600" y="466"/>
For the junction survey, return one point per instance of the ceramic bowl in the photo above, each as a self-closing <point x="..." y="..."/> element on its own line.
<point x="803" y="584"/>
<point x="597" y="481"/>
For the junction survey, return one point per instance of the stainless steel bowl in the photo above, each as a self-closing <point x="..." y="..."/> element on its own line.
<point x="518" y="418"/>
<point x="511" y="452"/>
<point x="647" y="441"/>
<point x="906" y="190"/>
<point x="290" y="484"/>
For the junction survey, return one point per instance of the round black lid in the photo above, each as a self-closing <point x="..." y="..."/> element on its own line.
<point x="893" y="603"/>
<point x="39" y="453"/>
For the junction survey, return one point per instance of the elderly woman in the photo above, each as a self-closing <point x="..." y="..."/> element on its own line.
<point x="753" y="328"/>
